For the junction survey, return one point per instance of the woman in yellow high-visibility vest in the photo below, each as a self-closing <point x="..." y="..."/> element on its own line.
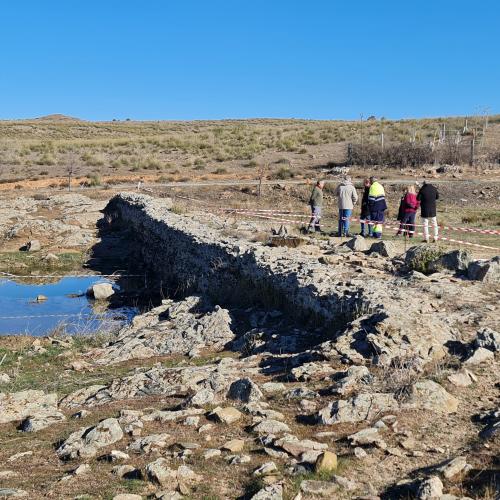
<point x="377" y="206"/>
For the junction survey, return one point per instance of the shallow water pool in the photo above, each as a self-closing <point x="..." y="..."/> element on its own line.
<point x="66" y="307"/>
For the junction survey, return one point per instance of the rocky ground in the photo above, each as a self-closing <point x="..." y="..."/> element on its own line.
<point x="196" y="399"/>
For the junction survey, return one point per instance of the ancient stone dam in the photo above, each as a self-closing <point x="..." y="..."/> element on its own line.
<point x="366" y="312"/>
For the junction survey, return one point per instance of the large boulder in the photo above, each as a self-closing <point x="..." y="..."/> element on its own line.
<point x="420" y="258"/>
<point x="485" y="270"/>
<point x="36" y="409"/>
<point x="245" y="390"/>
<point x="87" y="441"/>
<point x="384" y="248"/>
<point x="456" y="261"/>
<point x="429" y="488"/>
<point x="488" y="339"/>
<point x="100" y="291"/>
<point x="166" y="382"/>
<point x="33" y="246"/>
<point x="357" y="409"/>
<point x="296" y="447"/>
<point x="357" y="244"/>
<point x="429" y="395"/>
<point x="271" y="492"/>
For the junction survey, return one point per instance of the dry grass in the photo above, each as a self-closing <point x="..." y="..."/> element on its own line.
<point x="29" y="149"/>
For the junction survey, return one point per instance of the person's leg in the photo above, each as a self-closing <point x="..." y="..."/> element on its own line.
<point x="340" y="222"/>
<point x="426" y="229"/>
<point x="407" y="224"/>
<point x="370" y="226"/>
<point x="347" y="220"/>
<point x="401" y="227"/>
<point x="411" y="224"/>
<point x="312" y="221"/>
<point x="435" y="227"/>
<point x="377" y="224"/>
<point x="362" y="221"/>
<point x="343" y="224"/>
<point x="317" y="219"/>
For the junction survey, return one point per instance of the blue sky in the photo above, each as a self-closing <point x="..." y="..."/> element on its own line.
<point x="211" y="59"/>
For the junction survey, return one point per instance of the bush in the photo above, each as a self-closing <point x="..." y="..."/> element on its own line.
<point x="283" y="173"/>
<point x="420" y="257"/>
<point x="46" y="159"/>
<point x="397" y="156"/>
<point x="220" y="170"/>
<point x="91" y="160"/>
<point x="94" y="180"/>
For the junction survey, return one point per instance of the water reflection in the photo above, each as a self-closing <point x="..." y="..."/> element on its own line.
<point x="66" y="307"/>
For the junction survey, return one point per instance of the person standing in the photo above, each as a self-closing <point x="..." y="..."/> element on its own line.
<point x="377" y="206"/>
<point x="401" y="211"/>
<point x="316" y="204"/>
<point x="347" y="198"/>
<point x="428" y="196"/>
<point x="366" y="228"/>
<point x="409" y="206"/>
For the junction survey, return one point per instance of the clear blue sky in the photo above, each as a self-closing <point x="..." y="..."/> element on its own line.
<point x="209" y="59"/>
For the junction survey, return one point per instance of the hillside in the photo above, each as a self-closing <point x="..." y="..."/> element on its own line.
<point x="45" y="147"/>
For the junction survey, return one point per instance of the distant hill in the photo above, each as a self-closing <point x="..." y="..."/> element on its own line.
<point x="58" y="118"/>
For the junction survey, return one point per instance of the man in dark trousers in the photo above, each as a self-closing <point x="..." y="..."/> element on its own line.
<point x="427" y="196"/>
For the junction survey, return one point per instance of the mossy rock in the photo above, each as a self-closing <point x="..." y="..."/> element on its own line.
<point x="420" y="258"/>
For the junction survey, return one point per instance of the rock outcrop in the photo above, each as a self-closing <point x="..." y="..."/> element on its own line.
<point x="172" y="328"/>
<point x="35" y="409"/>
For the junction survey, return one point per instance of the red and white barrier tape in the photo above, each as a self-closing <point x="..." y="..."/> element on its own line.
<point x="444" y="238"/>
<point x="275" y="214"/>
<point x="353" y="219"/>
<point x="288" y="213"/>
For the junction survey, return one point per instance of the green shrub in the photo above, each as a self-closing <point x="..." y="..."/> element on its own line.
<point x="46" y="159"/>
<point x="419" y="258"/>
<point x="94" y="180"/>
<point x="283" y="173"/>
<point x="91" y="160"/>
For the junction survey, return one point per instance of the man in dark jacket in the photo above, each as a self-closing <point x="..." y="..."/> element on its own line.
<point x="316" y="204"/>
<point x="427" y="196"/>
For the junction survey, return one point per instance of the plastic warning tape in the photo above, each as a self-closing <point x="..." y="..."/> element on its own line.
<point x="494" y="232"/>
<point x="273" y="214"/>
<point x="288" y="213"/>
<point x="444" y="238"/>
<point x="354" y="219"/>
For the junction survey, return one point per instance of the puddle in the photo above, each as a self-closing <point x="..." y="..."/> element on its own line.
<point x="66" y="307"/>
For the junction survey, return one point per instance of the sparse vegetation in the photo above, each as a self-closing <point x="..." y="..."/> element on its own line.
<point x="136" y="146"/>
<point x="283" y="173"/>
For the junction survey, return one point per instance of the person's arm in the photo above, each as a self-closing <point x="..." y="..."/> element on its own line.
<point x="354" y="195"/>
<point x="437" y="194"/>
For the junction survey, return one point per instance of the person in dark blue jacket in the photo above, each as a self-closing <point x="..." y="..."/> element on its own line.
<point x="377" y="206"/>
